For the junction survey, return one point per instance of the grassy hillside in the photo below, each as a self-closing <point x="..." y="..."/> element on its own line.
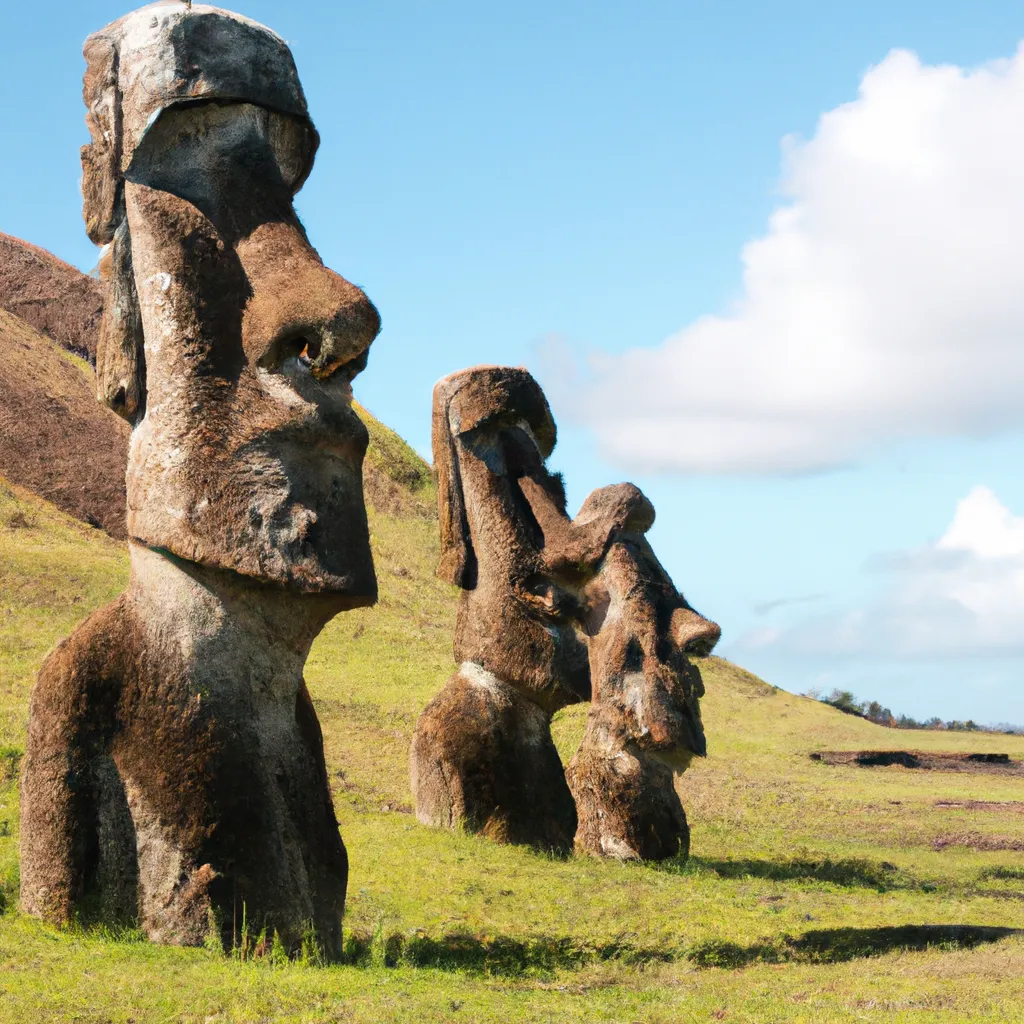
<point x="814" y="893"/>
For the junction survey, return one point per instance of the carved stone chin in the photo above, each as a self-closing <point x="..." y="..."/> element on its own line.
<point x="174" y="772"/>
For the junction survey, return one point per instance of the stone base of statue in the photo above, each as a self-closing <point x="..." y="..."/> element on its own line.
<point x="483" y="759"/>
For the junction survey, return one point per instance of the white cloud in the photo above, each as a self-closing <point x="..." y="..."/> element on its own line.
<point x="885" y="301"/>
<point x="984" y="526"/>
<point x="963" y="595"/>
<point x="766" y="607"/>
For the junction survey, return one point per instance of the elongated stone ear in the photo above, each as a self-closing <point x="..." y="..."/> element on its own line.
<point x="101" y="158"/>
<point x="295" y="142"/>
<point x="120" y="354"/>
<point x="458" y="561"/>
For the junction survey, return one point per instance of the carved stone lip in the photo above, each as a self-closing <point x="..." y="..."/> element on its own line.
<point x="340" y="434"/>
<point x="676" y="758"/>
<point x="677" y="754"/>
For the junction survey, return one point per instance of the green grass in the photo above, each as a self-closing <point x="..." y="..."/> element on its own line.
<point x="53" y="572"/>
<point x="815" y="893"/>
<point x="390" y="454"/>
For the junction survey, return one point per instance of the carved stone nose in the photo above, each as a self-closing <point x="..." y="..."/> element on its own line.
<point x="694" y="634"/>
<point x="336" y="336"/>
<point x="300" y="310"/>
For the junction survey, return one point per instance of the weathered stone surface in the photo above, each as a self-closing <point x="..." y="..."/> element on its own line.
<point x="644" y="724"/>
<point x="482" y="755"/>
<point x="174" y="770"/>
<point x="55" y="439"/>
<point x="537" y="586"/>
<point x="483" y="759"/>
<point x="492" y="431"/>
<point x="174" y="766"/>
<point x="166" y="55"/>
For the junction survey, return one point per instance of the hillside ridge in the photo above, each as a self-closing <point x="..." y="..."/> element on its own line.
<point x="813" y="892"/>
<point x="55" y="438"/>
<point x="52" y="296"/>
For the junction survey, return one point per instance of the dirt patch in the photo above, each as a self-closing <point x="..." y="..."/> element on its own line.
<point x="55" y="438"/>
<point x="50" y="295"/>
<point x="1006" y="806"/>
<point x="988" y="764"/>
<point x="977" y="841"/>
<point x="18" y="521"/>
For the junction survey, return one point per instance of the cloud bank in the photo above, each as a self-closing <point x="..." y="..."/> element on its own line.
<point x="962" y="596"/>
<point x="885" y="301"/>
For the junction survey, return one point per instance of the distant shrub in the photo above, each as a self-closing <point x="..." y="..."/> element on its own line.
<point x="845" y="701"/>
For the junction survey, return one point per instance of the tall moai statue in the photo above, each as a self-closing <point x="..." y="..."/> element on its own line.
<point x="482" y="755"/>
<point x="174" y="771"/>
<point x="551" y="605"/>
<point x="644" y="725"/>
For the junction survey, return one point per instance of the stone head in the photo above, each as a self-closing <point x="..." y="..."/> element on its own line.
<point x="226" y="342"/>
<point x="492" y="432"/>
<point x="642" y="634"/>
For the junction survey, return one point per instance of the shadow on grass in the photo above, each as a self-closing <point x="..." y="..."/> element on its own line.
<point x="850" y="872"/>
<point x="543" y="955"/>
<point x="838" y="945"/>
<point x="1002" y="873"/>
<point x="501" y="956"/>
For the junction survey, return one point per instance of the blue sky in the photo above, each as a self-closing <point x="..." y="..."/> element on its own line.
<point x="569" y="185"/>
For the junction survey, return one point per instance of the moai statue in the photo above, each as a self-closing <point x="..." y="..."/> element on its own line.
<point x="482" y="755"/>
<point x="644" y="725"/>
<point x="174" y="771"/>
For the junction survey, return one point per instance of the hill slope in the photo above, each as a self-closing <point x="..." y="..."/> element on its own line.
<point x="55" y="438"/>
<point x="796" y="863"/>
<point x="50" y="295"/>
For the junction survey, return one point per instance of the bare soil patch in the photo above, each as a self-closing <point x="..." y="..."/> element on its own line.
<point x="978" y="841"/>
<point x="1006" y="806"/>
<point x="928" y="760"/>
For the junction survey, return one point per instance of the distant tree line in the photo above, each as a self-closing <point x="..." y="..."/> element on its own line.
<point x="845" y="701"/>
